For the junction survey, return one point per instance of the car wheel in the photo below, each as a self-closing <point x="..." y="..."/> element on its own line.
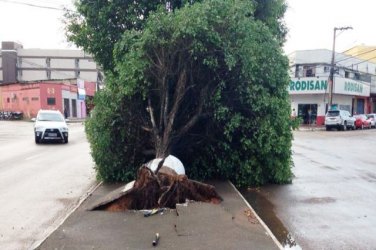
<point x="66" y="140"/>
<point x="344" y="128"/>
<point x="327" y="128"/>
<point x="37" y="141"/>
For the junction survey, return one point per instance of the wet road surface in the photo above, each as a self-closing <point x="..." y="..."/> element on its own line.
<point x="39" y="184"/>
<point x="331" y="203"/>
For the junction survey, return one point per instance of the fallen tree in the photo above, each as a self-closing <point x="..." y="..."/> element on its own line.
<point x="160" y="189"/>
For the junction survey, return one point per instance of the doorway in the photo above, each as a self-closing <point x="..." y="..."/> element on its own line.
<point x="74" y="108"/>
<point x="360" y="106"/>
<point x="66" y="106"/>
<point x="308" y="112"/>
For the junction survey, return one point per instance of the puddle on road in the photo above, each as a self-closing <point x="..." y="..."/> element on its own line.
<point x="265" y="209"/>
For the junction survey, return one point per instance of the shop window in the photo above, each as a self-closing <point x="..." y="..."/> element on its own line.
<point x="309" y="71"/>
<point x="51" y="101"/>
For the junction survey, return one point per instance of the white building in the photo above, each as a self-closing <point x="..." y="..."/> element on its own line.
<point x="25" y="65"/>
<point x="354" y="84"/>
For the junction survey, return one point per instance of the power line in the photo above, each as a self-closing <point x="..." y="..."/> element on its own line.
<point x="365" y="60"/>
<point x="33" y="5"/>
<point x="355" y="56"/>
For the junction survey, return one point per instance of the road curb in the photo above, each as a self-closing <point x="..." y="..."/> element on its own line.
<point x="279" y="245"/>
<point x="36" y="244"/>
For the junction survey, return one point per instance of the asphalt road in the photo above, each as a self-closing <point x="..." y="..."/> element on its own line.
<point x="39" y="184"/>
<point x="331" y="203"/>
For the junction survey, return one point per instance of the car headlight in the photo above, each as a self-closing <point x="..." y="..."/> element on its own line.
<point x="64" y="129"/>
<point x="39" y="128"/>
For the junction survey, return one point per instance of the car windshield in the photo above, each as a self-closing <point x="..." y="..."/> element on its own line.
<point x="50" y="117"/>
<point x="333" y="113"/>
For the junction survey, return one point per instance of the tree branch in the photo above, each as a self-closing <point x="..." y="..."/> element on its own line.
<point x="195" y="117"/>
<point x="155" y="128"/>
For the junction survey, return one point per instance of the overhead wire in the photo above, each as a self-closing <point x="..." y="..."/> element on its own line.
<point x="356" y="56"/>
<point x="36" y="5"/>
<point x="365" y="60"/>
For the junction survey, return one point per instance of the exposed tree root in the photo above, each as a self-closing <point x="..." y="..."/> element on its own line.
<point x="164" y="189"/>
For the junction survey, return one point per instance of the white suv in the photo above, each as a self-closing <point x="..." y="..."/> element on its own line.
<point x="50" y="125"/>
<point x="340" y="119"/>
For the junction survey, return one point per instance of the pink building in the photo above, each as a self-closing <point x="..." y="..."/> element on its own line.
<point x="33" y="79"/>
<point x="56" y="95"/>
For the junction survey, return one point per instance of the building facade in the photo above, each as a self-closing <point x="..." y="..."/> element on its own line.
<point x="54" y="95"/>
<point x="354" y="84"/>
<point x="33" y="79"/>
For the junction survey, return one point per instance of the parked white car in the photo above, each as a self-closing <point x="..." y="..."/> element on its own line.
<point x="340" y="119"/>
<point x="50" y="125"/>
<point x="372" y="118"/>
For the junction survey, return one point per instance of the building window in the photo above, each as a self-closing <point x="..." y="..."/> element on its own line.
<point x="326" y="69"/>
<point x="347" y="74"/>
<point x="35" y="98"/>
<point x="8" y="100"/>
<point x="51" y="100"/>
<point x="357" y="76"/>
<point x="309" y="71"/>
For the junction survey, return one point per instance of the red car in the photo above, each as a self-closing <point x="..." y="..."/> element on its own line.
<point x="362" y="121"/>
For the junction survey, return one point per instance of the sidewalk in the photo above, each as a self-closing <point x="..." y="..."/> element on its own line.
<point x="229" y="225"/>
<point x="76" y="120"/>
<point x="311" y="128"/>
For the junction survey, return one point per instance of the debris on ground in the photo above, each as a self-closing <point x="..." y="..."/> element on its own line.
<point x="160" y="187"/>
<point x="150" y="212"/>
<point x="155" y="242"/>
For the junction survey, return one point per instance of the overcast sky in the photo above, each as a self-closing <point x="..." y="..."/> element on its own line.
<point x="310" y="23"/>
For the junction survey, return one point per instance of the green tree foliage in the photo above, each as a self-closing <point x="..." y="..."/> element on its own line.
<point x="99" y="24"/>
<point x="206" y="83"/>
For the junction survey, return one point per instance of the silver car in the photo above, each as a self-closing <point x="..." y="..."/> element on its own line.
<point x="50" y="125"/>
<point x="372" y="118"/>
<point x="340" y="119"/>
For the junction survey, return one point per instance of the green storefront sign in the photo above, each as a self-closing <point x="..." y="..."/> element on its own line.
<point x="353" y="87"/>
<point x="308" y="85"/>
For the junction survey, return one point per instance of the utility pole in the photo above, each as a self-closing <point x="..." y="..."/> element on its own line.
<point x="331" y="75"/>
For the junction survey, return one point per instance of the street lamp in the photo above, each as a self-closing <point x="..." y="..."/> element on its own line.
<point x="331" y="75"/>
